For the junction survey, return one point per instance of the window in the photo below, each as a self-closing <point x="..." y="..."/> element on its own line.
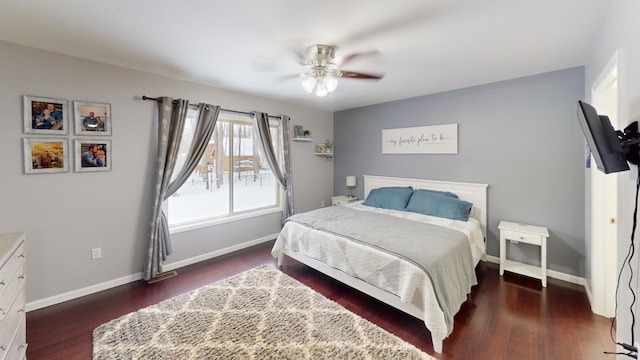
<point x="232" y="178"/>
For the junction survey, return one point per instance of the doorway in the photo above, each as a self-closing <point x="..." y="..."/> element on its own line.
<point x="603" y="219"/>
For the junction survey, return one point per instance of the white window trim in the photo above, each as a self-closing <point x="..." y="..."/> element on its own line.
<point x="206" y="223"/>
<point x="176" y="229"/>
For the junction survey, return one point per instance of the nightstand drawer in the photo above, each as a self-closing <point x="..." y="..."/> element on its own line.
<point x="523" y="237"/>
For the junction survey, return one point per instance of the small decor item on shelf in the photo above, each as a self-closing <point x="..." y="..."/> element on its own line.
<point x="328" y="146"/>
<point x="300" y="134"/>
<point x="325" y="150"/>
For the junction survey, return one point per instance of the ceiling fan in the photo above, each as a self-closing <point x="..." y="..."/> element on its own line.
<point x="323" y="72"/>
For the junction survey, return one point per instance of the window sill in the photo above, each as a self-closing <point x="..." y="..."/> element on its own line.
<point x="214" y="222"/>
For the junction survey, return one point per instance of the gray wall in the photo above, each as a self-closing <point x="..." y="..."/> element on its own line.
<point x="65" y="215"/>
<point x="620" y="31"/>
<point x="519" y="136"/>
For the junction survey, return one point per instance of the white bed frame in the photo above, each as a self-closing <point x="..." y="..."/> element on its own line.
<point x="471" y="192"/>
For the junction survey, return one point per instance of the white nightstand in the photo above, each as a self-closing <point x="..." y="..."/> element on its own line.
<point x="529" y="234"/>
<point x="342" y="199"/>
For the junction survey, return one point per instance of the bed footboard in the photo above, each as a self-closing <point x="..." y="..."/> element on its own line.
<point x="362" y="286"/>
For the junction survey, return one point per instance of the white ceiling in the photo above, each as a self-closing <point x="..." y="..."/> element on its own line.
<point x="425" y="46"/>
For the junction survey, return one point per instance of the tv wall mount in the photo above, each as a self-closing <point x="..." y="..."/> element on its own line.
<point x="630" y="142"/>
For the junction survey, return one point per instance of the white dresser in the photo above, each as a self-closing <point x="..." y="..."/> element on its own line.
<point x="13" y="334"/>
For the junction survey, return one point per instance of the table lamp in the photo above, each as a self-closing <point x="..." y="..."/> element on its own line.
<point x="351" y="183"/>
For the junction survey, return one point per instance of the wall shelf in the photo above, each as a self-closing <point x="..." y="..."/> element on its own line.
<point x="329" y="156"/>
<point x="302" y="139"/>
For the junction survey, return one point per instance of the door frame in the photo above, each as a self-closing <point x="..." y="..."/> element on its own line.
<point x="604" y="209"/>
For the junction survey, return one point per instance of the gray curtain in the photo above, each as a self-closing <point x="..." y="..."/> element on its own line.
<point x="284" y="174"/>
<point x="172" y="115"/>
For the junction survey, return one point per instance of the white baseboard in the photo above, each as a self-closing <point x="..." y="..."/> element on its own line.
<point x="550" y="273"/>
<point x="57" y="299"/>
<point x="587" y="289"/>
<point x="213" y="254"/>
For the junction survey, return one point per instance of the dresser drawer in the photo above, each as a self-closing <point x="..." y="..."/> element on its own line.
<point x="12" y="327"/>
<point x="15" y="284"/>
<point x="17" y="350"/>
<point x="10" y="267"/>
<point x="522" y="237"/>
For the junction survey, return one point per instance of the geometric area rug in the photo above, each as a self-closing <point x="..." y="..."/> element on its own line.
<point x="258" y="314"/>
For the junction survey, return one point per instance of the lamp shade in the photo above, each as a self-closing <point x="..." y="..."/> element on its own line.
<point x="351" y="181"/>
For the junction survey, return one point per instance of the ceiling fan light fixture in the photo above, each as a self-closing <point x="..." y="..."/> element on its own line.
<point x="308" y="84"/>
<point x="321" y="89"/>
<point x="322" y="85"/>
<point x="331" y="83"/>
<point x="323" y="73"/>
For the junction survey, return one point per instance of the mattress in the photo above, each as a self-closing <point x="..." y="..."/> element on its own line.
<point x="385" y="271"/>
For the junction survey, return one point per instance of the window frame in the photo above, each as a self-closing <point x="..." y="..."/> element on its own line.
<point x="232" y="215"/>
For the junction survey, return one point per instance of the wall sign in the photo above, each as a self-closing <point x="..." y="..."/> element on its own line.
<point x="435" y="139"/>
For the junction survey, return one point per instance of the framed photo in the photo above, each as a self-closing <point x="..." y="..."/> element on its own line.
<point x="45" y="115"/>
<point x="92" y="118"/>
<point x="298" y="131"/>
<point x="92" y="155"/>
<point x="45" y="155"/>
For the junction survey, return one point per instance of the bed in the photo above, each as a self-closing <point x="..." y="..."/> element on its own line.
<point x="332" y="241"/>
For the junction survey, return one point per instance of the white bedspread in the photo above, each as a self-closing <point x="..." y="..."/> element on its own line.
<point x="387" y="272"/>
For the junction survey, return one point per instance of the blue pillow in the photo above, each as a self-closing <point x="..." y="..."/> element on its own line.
<point x="435" y="204"/>
<point x="393" y="197"/>
<point x="447" y="193"/>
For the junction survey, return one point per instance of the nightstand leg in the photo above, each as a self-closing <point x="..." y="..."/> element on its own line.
<point x="503" y="255"/>
<point x="543" y="261"/>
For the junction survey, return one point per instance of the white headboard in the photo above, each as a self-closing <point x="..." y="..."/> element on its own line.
<point x="471" y="192"/>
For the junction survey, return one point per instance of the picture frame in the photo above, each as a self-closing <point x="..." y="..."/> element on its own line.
<point x="92" y="118"/>
<point x="298" y="131"/>
<point x="45" y="155"/>
<point x="43" y="115"/>
<point x="92" y="155"/>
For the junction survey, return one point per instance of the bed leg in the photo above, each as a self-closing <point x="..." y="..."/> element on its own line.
<point x="280" y="259"/>
<point x="437" y="345"/>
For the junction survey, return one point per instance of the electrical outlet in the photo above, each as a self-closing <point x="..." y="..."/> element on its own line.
<point x="96" y="253"/>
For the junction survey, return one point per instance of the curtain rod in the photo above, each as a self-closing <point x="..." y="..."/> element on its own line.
<point x="144" y="97"/>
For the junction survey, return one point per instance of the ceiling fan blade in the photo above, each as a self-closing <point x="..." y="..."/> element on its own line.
<point x="288" y="77"/>
<point x="355" y="75"/>
<point x="300" y="57"/>
<point x="350" y="57"/>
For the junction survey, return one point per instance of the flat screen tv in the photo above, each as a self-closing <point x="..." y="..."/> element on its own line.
<point x="603" y="140"/>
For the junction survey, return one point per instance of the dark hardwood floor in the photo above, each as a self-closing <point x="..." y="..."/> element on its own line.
<point x="508" y="317"/>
